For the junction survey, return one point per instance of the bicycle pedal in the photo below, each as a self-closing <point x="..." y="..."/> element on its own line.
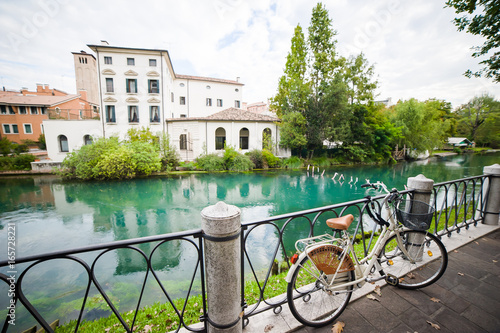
<point x="391" y="280"/>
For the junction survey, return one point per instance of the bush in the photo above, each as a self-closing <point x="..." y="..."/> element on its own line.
<point x="6" y="146"/>
<point x="145" y="158"/>
<point x="116" y="164"/>
<point x="169" y="158"/>
<point x="22" y="162"/>
<point x="271" y="160"/>
<point x="211" y="162"/>
<point x="240" y="163"/>
<point x="293" y="162"/>
<point x="6" y="163"/>
<point x="257" y="158"/>
<point x="41" y="142"/>
<point x="229" y="154"/>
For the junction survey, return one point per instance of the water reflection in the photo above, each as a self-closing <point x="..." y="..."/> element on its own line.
<point x="51" y="214"/>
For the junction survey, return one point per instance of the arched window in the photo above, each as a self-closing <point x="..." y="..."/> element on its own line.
<point x="267" y="142"/>
<point x="87" y="140"/>
<point x="63" y="143"/>
<point x="244" y="134"/>
<point x="220" y="138"/>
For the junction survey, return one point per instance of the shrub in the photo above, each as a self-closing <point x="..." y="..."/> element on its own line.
<point x="116" y="164"/>
<point x="271" y="160"/>
<point x="169" y="158"/>
<point x="6" y="146"/>
<point x="6" y="163"/>
<point x="41" y="142"/>
<point x="211" y="162"/>
<point x="145" y="158"/>
<point x="240" y="163"/>
<point x="22" y="162"/>
<point x="229" y="154"/>
<point x="257" y="158"/>
<point x="293" y="162"/>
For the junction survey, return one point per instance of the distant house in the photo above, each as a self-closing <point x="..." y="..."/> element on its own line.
<point x="460" y="142"/>
<point x="22" y="112"/>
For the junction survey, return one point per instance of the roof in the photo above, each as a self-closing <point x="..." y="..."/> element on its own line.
<point x="43" y="100"/>
<point x="211" y="79"/>
<point x="458" y="140"/>
<point x="232" y="114"/>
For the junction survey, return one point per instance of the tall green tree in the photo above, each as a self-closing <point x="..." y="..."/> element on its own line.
<point x="293" y="88"/>
<point x="481" y="17"/>
<point x="476" y="114"/>
<point x="359" y="75"/>
<point x="293" y="130"/>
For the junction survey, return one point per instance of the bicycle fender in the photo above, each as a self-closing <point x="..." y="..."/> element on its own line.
<point x="294" y="267"/>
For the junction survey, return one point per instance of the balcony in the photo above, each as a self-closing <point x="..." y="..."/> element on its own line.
<point x="73" y="114"/>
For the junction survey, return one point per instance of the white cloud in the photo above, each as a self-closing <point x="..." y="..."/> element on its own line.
<point x="416" y="49"/>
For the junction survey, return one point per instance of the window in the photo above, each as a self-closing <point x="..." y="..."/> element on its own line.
<point x="131" y="61"/>
<point x="133" y="114"/>
<point x="87" y="140"/>
<point x="183" y="142"/>
<point x="266" y="139"/>
<point x="22" y="109"/>
<point x="34" y="110"/>
<point x="237" y="104"/>
<point x="183" y="116"/>
<point x="28" y="129"/>
<point x="131" y="86"/>
<point x="63" y="143"/>
<point x="172" y="97"/>
<point x="153" y="87"/>
<point x="208" y="87"/>
<point x="110" y="114"/>
<point x="11" y="110"/>
<point x="108" y="60"/>
<point x="219" y="102"/>
<point x="244" y="134"/>
<point x="182" y="100"/>
<point x="220" y="138"/>
<point x="43" y="109"/>
<point x="154" y="114"/>
<point x="3" y="109"/>
<point x="152" y="62"/>
<point x="209" y="102"/>
<point x="15" y="130"/>
<point x="109" y="85"/>
<point x="6" y="128"/>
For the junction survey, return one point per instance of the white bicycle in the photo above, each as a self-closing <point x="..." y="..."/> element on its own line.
<point x="326" y="270"/>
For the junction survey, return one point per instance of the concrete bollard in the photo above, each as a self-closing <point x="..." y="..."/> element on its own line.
<point x="221" y="226"/>
<point x="422" y="187"/>
<point x="492" y="206"/>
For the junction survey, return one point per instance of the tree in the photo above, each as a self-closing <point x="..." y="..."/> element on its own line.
<point x="358" y="76"/>
<point x="420" y="125"/>
<point x="476" y="114"/>
<point x="293" y="88"/>
<point x="481" y="17"/>
<point x="293" y="130"/>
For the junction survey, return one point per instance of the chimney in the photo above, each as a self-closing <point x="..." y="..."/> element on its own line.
<point x="237" y="79"/>
<point x="24" y="90"/>
<point x="103" y="42"/>
<point x="39" y="87"/>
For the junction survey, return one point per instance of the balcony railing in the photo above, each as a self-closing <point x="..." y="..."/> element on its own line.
<point x="74" y="114"/>
<point x="459" y="204"/>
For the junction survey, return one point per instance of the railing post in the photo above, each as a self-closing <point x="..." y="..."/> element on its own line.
<point x="221" y="226"/>
<point x="492" y="206"/>
<point x="422" y="191"/>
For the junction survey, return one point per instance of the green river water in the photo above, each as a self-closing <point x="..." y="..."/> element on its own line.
<point x="51" y="215"/>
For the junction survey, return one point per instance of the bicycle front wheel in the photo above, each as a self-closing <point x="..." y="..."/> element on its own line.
<point x="426" y="261"/>
<point x="310" y="301"/>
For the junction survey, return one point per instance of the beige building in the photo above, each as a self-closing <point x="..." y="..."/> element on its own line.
<point x="86" y="75"/>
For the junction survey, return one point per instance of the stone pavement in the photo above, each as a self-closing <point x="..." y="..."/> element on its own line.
<point x="465" y="299"/>
<point x="468" y="294"/>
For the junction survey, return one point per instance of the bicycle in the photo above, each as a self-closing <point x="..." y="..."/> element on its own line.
<point x="325" y="270"/>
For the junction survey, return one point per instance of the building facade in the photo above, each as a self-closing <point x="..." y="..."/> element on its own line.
<point x="22" y="113"/>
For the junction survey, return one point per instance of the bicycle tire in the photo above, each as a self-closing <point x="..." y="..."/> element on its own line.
<point x="429" y="255"/>
<point x="309" y="303"/>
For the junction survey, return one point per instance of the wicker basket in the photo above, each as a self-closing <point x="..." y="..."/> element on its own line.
<point x="405" y="213"/>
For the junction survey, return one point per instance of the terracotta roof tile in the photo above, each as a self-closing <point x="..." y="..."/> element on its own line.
<point x="231" y="114"/>
<point x="47" y="100"/>
<point x="210" y="79"/>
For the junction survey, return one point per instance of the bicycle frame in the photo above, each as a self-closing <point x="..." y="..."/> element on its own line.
<point x="371" y="259"/>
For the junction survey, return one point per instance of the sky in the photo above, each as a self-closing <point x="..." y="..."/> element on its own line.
<point x="415" y="48"/>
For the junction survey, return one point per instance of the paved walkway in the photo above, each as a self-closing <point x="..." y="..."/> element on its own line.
<point x="468" y="294"/>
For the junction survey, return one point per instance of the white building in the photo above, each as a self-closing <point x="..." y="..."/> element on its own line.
<point x="139" y="88"/>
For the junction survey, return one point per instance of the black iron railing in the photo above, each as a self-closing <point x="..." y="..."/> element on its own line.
<point x="266" y="247"/>
<point x="192" y="238"/>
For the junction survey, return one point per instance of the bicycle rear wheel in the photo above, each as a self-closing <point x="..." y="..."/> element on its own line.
<point x="426" y="263"/>
<point x="308" y="300"/>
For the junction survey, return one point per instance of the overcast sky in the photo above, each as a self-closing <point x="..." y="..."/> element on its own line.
<point x="416" y="49"/>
